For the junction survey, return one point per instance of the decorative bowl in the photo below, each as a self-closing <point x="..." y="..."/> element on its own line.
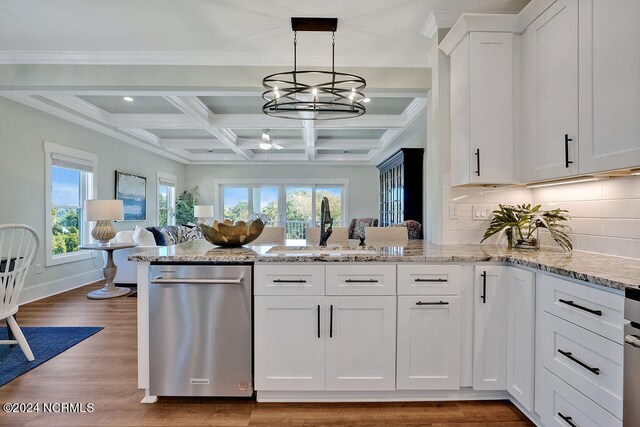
<point x="232" y="235"/>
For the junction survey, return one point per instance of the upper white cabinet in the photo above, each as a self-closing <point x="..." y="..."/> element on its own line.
<point x="482" y="105"/>
<point x="489" y="329"/>
<point x="550" y="94"/>
<point x="609" y="85"/>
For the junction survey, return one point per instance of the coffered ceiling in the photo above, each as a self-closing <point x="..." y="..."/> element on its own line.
<point x="78" y="60"/>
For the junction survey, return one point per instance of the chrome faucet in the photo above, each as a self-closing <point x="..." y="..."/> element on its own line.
<point x="325" y="218"/>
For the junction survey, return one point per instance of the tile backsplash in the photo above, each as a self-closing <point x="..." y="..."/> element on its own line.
<point x="605" y="214"/>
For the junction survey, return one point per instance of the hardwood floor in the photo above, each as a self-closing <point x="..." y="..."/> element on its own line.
<point x="102" y="370"/>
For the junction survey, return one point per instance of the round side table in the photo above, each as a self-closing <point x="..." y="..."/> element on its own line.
<point x="109" y="270"/>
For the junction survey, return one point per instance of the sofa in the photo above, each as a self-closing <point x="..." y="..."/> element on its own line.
<point x="171" y="235"/>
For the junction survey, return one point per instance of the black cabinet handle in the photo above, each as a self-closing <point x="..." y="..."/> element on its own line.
<point x="567" y="419"/>
<point x="580" y="307"/>
<point x="361" y="281"/>
<point x="478" y="161"/>
<point x="331" y="321"/>
<point x="432" y="303"/>
<point x="570" y="356"/>
<point x="430" y="280"/>
<point x="318" y="320"/>
<point x="567" y="162"/>
<point x="483" y="297"/>
<point x="289" y="281"/>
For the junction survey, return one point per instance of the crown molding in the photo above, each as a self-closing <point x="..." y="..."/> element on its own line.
<point x="438" y="19"/>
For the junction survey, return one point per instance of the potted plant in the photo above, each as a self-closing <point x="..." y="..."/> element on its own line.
<point x="522" y="223"/>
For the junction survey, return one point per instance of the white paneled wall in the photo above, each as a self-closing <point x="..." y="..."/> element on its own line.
<point x="606" y="214"/>
<point x="465" y="230"/>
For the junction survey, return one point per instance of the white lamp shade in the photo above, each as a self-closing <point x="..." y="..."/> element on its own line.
<point x="100" y="210"/>
<point x="203" y="211"/>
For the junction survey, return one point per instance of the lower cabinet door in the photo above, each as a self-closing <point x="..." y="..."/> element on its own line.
<point x="289" y="342"/>
<point x="360" y="343"/>
<point x="521" y="336"/>
<point x="489" y="328"/>
<point x="429" y="330"/>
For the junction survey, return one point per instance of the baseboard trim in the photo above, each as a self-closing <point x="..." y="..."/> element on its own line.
<point x="58" y="286"/>
<point x="380" y="396"/>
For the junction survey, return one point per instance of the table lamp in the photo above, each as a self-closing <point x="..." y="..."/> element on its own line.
<point x="104" y="211"/>
<point x="203" y="211"/>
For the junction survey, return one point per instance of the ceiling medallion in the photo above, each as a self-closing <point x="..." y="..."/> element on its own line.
<point x="313" y="94"/>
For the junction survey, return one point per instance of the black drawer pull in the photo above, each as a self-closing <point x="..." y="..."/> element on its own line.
<point x="430" y="280"/>
<point x="570" y="356"/>
<point x="318" y="320"/>
<point x="483" y="297"/>
<point x="331" y="321"/>
<point x="361" y="281"/>
<point x="289" y="281"/>
<point x="432" y="303"/>
<point x="572" y="304"/>
<point x="567" y="419"/>
<point x="478" y="162"/>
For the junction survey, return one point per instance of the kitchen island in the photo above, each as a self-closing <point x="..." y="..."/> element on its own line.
<point x="425" y="322"/>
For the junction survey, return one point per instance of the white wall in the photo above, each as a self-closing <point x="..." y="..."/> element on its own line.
<point x="606" y="214"/>
<point x="22" y="182"/>
<point x="362" y="191"/>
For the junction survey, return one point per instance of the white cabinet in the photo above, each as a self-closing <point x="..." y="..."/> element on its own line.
<point x="489" y="329"/>
<point x="360" y="343"/>
<point x="429" y="330"/>
<point x="521" y="335"/>
<point x="550" y="94"/>
<point x="289" y="343"/>
<point x="481" y="108"/>
<point x="609" y="85"/>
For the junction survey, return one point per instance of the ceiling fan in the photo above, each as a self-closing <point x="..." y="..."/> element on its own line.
<point x="266" y="143"/>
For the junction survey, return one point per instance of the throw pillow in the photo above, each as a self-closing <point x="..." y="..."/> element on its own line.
<point x="174" y="234"/>
<point x="167" y="236"/>
<point x="189" y="233"/>
<point x="158" y="236"/>
<point x="124" y="237"/>
<point x="143" y="237"/>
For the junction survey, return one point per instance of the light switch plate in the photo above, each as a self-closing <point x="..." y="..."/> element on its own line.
<point x="481" y="212"/>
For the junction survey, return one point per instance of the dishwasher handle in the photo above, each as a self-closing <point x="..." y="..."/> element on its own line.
<point x="162" y="281"/>
<point x="632" y="340"/>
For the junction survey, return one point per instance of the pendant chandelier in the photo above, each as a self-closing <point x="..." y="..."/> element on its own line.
<point x="313" y="94"/>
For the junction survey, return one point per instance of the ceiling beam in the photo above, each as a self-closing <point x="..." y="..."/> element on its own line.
<point x="193" y="107"/>
<point x="91" y="124"/>
<point x="262" y="121"/>
<point x="348" y="144"/>
<point x="192" y="144"/>
<point x="153" y="121"/>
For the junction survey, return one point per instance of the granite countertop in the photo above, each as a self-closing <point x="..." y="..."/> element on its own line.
<point x="609" y="271"/>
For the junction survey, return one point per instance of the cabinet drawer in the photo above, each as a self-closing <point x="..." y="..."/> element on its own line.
<point x="428" y="279"/>
<point x="289" y="279"/>
<point x="588" y="362"/>
<point x="361" y="279"/>
<point x="561" y="400"/>
<point x="598" y="311"/>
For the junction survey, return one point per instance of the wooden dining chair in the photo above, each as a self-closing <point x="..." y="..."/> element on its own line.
<point x="18" y="247"/>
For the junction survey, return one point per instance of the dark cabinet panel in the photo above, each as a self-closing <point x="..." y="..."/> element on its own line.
<point x="401" y="187"/>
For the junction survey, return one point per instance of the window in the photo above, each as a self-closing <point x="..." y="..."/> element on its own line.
<point x="69" y="180"/>
<point x="294" y="205"/>
<point x="166" y="199"/>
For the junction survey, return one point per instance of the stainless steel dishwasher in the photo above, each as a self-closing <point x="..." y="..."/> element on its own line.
<point x="631" y="394"/>
<point x="200" y="330"/>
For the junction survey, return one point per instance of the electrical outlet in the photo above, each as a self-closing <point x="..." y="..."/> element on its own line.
<point x="481" y="212"/>
<point x="38" y="268"/>
<point x="453" y="212"/>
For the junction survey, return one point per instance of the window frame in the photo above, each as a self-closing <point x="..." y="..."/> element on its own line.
<point x="282" y="184"/>
<point x="168" y="178"/>
<point x="88" y="190"/>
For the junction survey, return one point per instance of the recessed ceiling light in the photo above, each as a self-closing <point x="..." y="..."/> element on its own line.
<point x="128" y="98"/>
<point x="366" y="100"/>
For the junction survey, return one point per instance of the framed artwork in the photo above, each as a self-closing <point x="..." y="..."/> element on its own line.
<point x="132" y="190"/>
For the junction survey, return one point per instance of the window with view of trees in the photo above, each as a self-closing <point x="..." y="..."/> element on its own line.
<point x="69" y="184"/>
<point x="295" y="207"/>
<point x="166" y="204"/>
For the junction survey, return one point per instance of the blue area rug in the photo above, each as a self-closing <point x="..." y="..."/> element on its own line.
<point x="45" y="344"/>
